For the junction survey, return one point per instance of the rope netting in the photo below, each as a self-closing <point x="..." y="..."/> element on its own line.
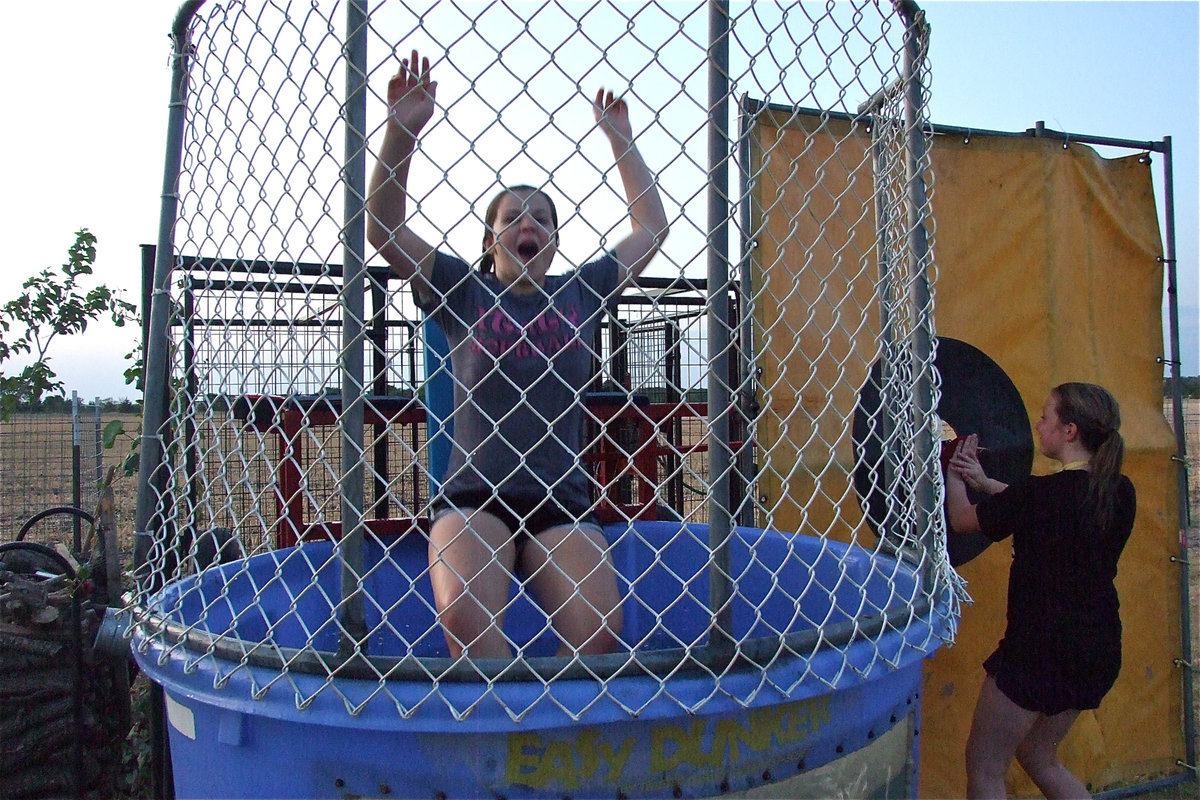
<point x="315" y="418"/>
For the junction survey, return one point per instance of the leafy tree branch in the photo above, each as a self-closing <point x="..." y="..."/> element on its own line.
<point x="52" y="304"/>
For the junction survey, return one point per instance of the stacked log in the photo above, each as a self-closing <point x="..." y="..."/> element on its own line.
<point x="61" y="717"/>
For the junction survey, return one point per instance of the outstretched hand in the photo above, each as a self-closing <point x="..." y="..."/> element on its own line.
<point x="411" y="94"/>
<point x="612" y="115"/>
<point x="965" y="463"/>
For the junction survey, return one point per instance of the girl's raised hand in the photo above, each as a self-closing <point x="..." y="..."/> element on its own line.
<point x="411" y="94"/>
<point x="965" y="462"/>
<point x="612" y="115"/>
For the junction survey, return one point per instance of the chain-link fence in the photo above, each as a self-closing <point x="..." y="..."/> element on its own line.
<point x="450" y="483"/>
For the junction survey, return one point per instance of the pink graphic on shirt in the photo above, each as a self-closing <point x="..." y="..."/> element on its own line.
<point x="552" y="331"/>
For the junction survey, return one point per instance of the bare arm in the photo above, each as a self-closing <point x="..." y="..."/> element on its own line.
<point x="959" y="511"/>
<point x="646" y="214"/>
<point x="410" y="105"/>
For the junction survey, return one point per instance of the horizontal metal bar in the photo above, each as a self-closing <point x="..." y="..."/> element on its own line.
<point x="1041" y="132"/>
<point x="748" y="655"/>
<point x="383" y="275"/>
<point x="1150" y="786"/>
<point x="753" y="106"/>
<point x="259" y="266"/>
<point x="196" y="321"/>
<point x="881" y="96"/>
<point x="290" y="287"/>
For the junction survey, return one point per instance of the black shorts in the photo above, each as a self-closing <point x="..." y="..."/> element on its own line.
<point x="1048" y="692"/>
<point x="525" y="518"/>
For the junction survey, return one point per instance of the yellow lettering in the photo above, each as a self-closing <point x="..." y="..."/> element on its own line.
<point x="524" y="760"/>
<point x="565" y="765"/>
<point x="820" y="713"/>
<point x="775" y="720"/>
<point x="558" y="766"/>
<point x="801" y="720"/>
<point x="730" y="735"/>
<point x="793" y="725"/>
<point x="538" y="764"/>
<point x="685" y="746"/>
<point x="585" y="746"/>
<point x="616" y="758"/>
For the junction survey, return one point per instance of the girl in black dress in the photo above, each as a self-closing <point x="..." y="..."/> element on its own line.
<point x="1061" y="650"/>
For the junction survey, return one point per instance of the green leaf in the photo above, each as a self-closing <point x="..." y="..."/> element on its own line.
<point x="113" y="431"/>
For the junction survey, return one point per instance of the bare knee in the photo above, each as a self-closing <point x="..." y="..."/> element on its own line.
<point x="575" y="582"/>
<point x="470" y="628"/>
<point x="1036" y="760"/>
<point x="587" y="617"/>
<point x="1038" y="756"/>
<point x="470" y="572"/>
<point x="594" y="633"/>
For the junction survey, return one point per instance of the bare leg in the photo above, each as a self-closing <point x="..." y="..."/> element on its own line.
<point x="997" y="730"/>
<point x="471" y="557"/>
<point x="1038" y="756"/>
<point x="573" y="579"/>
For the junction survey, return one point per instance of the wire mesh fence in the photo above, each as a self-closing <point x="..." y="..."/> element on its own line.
<point x="54" y="458"/>
<point x="314" y="414"/>
<point x="1191" y="436"/>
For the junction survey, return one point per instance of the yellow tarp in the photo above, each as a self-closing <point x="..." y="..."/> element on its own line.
<point x="1047" y="261"/>
<point x="813" y="284"/>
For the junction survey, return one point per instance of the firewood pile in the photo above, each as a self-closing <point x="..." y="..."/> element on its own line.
<point x="64" y="709"/>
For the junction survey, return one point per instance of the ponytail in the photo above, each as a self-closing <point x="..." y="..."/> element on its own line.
<point x="1096" y="415"/>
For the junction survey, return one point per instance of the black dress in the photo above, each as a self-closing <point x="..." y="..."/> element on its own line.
<point x="1062" y="647"/>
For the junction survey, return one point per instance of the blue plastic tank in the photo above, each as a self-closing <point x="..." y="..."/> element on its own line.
<point x="795" y="709"/>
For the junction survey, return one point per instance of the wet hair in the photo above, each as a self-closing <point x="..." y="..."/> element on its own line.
<point x="487" y="262"/>
<point x="1097" y="417"/>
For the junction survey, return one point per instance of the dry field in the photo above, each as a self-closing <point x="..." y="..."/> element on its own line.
<point x="36" y="456"/>
<point x="1191" y="427"/>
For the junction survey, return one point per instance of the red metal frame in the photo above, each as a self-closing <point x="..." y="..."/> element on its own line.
<point x="287" y="418"/>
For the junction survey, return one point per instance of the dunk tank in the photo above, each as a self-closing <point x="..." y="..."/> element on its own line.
<point x="298" y="408"/>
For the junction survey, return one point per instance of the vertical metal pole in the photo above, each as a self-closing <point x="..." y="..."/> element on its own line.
<point x="151" y="478"/>
<point x="1185" y="517"/>
<point x="925" y="491"/>
<point x="76" y="468"/>
<point x="748" y="385"/>
<point x="379" y="387"/>
<point x="719" y="336"/>
<point x="191" y="442"/>
<point x="890" y="401"/>
<point x="149" y="256"/>
<point x="98" y="437"/>
<point x="354" y="276"/>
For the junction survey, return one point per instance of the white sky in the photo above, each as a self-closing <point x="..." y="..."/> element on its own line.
<point x="86" y="110"/>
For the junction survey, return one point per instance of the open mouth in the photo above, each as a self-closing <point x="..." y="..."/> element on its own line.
<point x="527" y="250"/>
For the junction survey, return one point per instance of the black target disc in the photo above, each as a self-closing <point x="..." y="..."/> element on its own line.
<point x="976" y="397"/>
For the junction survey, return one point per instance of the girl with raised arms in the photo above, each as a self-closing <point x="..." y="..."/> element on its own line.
<point x="515" y="498"/>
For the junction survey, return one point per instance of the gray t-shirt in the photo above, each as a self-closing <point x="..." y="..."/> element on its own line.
<point x="521" y="363"/>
